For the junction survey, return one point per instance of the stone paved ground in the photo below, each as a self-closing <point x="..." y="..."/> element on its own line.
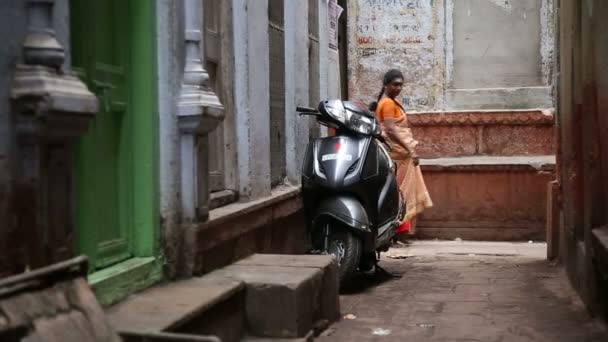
<point x="464" y="291"/>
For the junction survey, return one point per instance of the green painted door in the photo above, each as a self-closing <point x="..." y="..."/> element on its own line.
<point x="104" y="173"/>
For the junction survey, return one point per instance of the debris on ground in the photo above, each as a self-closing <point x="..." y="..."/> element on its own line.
<point x="399" y="256"/>
<point x="400" y="244"/>
<point x="350" y="316"/>
<point x="458" y="239"/>
<point x="426" y="325"/>
<point x="381" y="332"/>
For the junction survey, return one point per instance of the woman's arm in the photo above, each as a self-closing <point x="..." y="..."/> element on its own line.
<point x="391" y="131"/>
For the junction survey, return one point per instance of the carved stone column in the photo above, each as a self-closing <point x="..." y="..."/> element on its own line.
<point x="51" y="109"/>
<point x="199" y="112"/>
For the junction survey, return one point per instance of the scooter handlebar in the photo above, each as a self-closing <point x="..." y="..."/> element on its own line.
<point x="307" y="110"/>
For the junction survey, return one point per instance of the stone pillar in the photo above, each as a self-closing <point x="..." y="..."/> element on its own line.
<point x="296" y="86"/>
<point x="51" y="109"/>
<point x="199" y="112"/>
<point x="252" y="96"/>
<point x="323" y="57"/>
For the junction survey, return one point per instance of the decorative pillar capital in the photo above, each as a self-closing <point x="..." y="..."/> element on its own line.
<point x="49" y="102"/>
<point x="200" y="110"/>
<point x="52" y="108"/>
<point x="41" y="46"/>
<point x="50" y="105"/>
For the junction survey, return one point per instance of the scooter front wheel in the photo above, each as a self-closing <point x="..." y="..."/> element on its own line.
<point x="346" y="249"/>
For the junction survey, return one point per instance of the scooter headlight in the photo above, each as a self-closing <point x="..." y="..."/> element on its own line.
<point x="339" y="114"/>
<point x="355" y="122"/>
<point x="363" y="124"/>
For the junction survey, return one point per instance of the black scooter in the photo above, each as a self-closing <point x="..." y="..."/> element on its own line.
<point x="351" y="199"/>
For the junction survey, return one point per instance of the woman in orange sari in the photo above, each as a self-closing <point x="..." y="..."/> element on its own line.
<point x="391" y="114"/>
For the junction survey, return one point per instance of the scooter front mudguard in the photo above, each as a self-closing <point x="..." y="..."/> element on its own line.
<point x="351" y="213"/>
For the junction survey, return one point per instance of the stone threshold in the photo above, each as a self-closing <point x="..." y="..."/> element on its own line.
<point x="222" y="198"/>
<point x="283" y="201"/>
<point x="490" y="163"/>
<point x="115" y="283"/>
<point x="167" y="307"/>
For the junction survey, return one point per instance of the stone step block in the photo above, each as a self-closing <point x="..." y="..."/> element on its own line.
<point x="329" y="310"/>
<point x="280" y="301"/>
<point x="209" y="305"/>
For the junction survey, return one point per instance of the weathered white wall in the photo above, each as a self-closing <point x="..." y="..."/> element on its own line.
<point x="455" y="54"/>
<point x="496" y="44"/>
<point x="297" y="128"/>
<point x="169" y="41"/>
<point x="252" y="95"/>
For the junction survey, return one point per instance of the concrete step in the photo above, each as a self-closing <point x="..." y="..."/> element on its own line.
<point x="260" y="298"/>
<point x="287" y="296"/>
<point x="329" y="310"/>
<point x="487" y="197"/>
<point x="210" y="305"/>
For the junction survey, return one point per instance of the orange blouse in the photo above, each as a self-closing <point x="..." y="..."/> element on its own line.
<point x="388" y="108"/>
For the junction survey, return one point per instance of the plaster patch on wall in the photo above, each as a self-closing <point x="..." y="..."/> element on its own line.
<point x="547" y="40"/>
<point x="449" y="42"/>
<point x="504" y="4"/>
<point x="406" y="35"/>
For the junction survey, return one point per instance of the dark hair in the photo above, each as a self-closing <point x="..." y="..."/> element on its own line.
<point x="389" y="77"/>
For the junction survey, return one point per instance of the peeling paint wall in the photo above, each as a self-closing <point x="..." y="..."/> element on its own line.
<point x="583" y="158"/>
<point x="404" y="34"/>
<point x="455" y="54"/>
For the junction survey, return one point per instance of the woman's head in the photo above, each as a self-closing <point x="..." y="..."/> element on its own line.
<point x="392" y="83"/>
<point x="391" y="86"/>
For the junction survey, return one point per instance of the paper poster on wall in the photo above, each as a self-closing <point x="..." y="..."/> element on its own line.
<point x="334" y="12"/>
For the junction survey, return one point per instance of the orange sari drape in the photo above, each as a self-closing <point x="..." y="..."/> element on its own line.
<point x="409" y="176"/>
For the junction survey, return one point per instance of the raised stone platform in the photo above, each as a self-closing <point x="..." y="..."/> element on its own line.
<point x="487" y="173"/>
<point x="475" y="133"/>
<point x="487" y="198"/>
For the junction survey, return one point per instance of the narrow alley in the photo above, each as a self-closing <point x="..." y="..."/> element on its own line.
<point x="466" y="291"/>
<point x="229" y="170"/>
